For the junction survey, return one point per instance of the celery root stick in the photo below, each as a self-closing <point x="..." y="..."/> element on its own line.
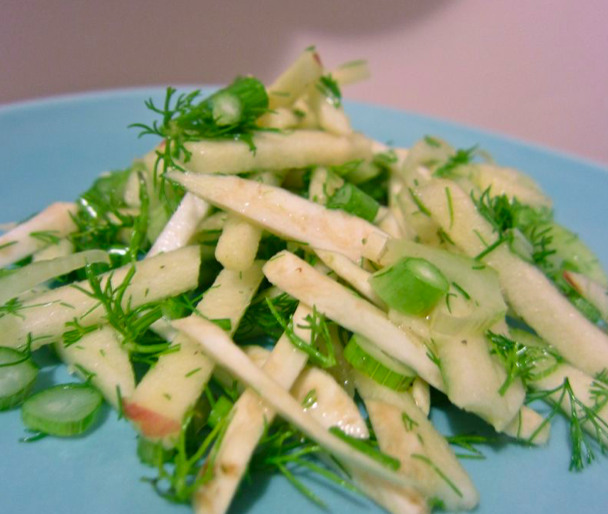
<point x="529" y="426"/>
<point x="353" y="274"/>
<point x="172" y="386"/>
<point x="221" y="349"/>
<point x="249" y="419"/>
<point x="403" y="431"/>
<point x="529" y="292"/>
<point x="332" y="408"/>
<point x="19" y="242"/>
<point x="277" y="152"/>
<point x="294" y="81"/>
<point x="44" y="317"/>
<point x="239" y="241"/>
<point x="100" y="356"/>
<point x="282" y="213"/>
<point x="182" y="226"/>
<point x="294" y="276"/>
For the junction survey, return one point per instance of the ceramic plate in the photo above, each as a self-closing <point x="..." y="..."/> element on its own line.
<point x="53" y="149"/>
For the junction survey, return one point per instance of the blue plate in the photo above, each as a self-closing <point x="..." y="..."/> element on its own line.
<point x="53" y="149"/>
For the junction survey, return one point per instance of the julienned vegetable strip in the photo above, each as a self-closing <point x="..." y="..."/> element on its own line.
<point x="276" y="152"/>
<point x="182" y="226"/>
<point x="403" y="429"/>
<point x="239" y="241"/>
<point x="282" y="213"/>
<point x="18" y="243"/>
<point x="332" y="408"/>
<point x="100" y="357"/>
<point x="248" y="422"/>
<point x="23" y="279"/>
<point x="44" y="317"/>
<point x="219" y="347"/>
<point x="294" y="81"/>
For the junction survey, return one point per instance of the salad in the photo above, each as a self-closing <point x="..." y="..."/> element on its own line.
<point x="269" y="291"/>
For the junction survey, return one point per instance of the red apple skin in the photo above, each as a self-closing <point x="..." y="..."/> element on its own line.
<point x="151" y="424"/>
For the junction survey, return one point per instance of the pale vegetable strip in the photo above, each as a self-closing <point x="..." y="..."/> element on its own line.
<point x="330" y="405"/>
<point x="239" y="241"/>
<point x="404" y="432"/>
<point x="29" y="276"/>
<point x="45" y="316"/>
<point x="17" y="243"/>
<point x="219" y="347"/>
<point x="330" y="116"/>
<point x="300" y="280"/>
<point x="529" y="426"/>
<point x="100" y="357"/>
<point x="509" y="182"/>
<point x="421" y="393"/>
<point x="353" y="274"/>
<point x="594" y="292"/>
<point x="526" y="288"/>
<point x="280" y="118"/>
<point x="282" y="213"/>
<point x="294" y="81"/>
<point x="276" y="152"/>
<point x="249" y="418"/>
<point x="182" y="226"/>
<point x="351" y="72"/>
<point x="172" y="386"/>
<point x="62" y="249"/>
<point x="472" y="381"/>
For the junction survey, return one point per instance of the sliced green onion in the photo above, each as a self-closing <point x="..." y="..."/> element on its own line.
<point x="17" y="376"/>
<point x="475" y="300"/>
<point x="411" y="285"/>
<point x="220" y="410"/>
<point x="245" y="98"/>
<point x="227" y="109"/>
<point x="63" y="410"/>
<point x="366" y="358"/>
<point x="24" y="279"/>
<point x="351" y="199"/>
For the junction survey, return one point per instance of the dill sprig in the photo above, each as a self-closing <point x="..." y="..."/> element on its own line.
<point x="317" y="326"/>
<point x="76" y="332"/>
<point x="467" y="442"/>
<point x="583" y="419"/>
<point x="131" y="323"/>
<point x="259" y="319"/>
<point x="287" y="451"/>
<point x="521" y="361"/>
<point x="102" y="222"/>
<point x="49" y="237"/>
<point x="461" y="157"/>
<point x="181" y="474"/>
<point x="185" y="118"/>
<point x="535" y="224"/>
